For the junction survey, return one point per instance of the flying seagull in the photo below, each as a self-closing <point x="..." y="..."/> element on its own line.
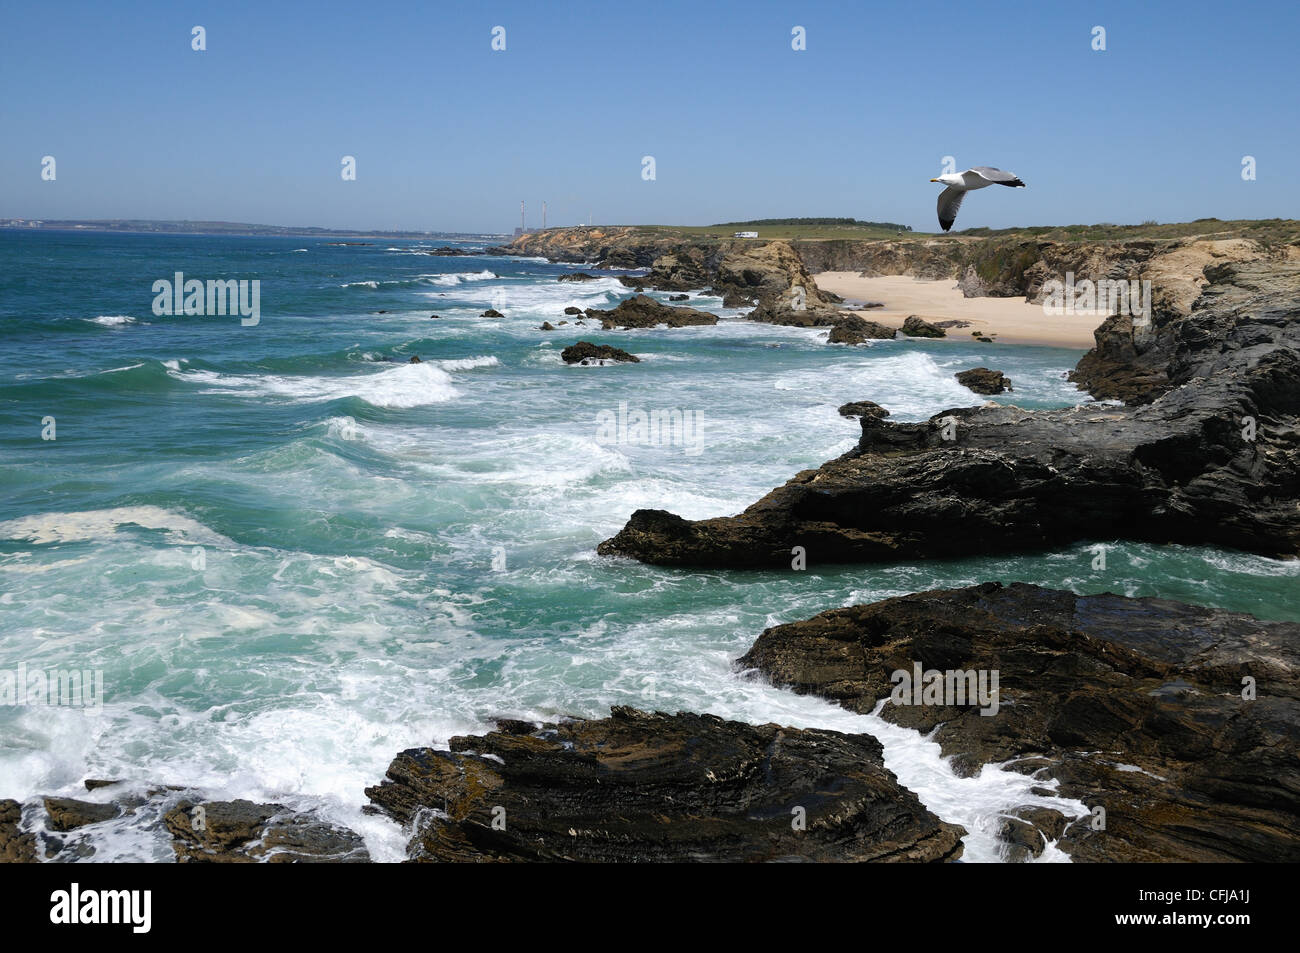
<point x="959" y="183"/>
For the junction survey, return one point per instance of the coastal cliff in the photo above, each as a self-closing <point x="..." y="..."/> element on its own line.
<point x="1206" y="452"/>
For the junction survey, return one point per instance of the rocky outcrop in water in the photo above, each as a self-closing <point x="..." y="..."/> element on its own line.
<point x="242" y="832"/>
<point x="863" y="408"/>
<point x="16" y="847"/>
<point x="1180" y="723"/>
<point x="641" y="787"/>
<point x="915" y="327"/>
<point x="1212" y="456"/>
<point x="642" y="311"/>
<point x="853" y="329"/>
<point x="983" y="380"/>
<point x="202" y="831"/>
<point x="584" y="352"/>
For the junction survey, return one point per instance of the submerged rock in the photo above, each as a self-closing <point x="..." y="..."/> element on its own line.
<point x="491" y="313"/>
<point x="655" y="787"/>
<point x="578" y="276"/>
<point x="584" y="352"/>
<point x="1212" y="458"/>
<point x="982" y="380"/>
<point x="1134" y="705"/>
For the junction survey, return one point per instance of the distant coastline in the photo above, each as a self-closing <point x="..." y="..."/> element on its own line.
<point x="154" y="227"/>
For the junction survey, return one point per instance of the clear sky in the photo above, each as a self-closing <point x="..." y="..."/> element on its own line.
<point x="449" y="134"/>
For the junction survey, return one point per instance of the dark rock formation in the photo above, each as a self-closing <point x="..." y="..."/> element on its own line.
<point x="491" y="313"/>
<point x="854" y="329"/>
<point x="584" y="352"/>
<point x="67" y="814"/>
<point x="450" y="251"/>
<point x="546" y="326"/>
<point x="642" y="311"/>
<point x="800" y="317"/>
<point x="572" y="310"/>
<point x="241" y="832"/>
<point x="15" y="846"/>
<point x="982" y="380"/>
<point x="1212" y="458"/>
<point x="656" y="787"/>
<point x="679" y="297"/>
<point x="578" y="276"/>
<point x="415" y="359"/>
<point x="914" y="327"/>
<point x="863" y="408"/>
<point x="1135" y="705"/>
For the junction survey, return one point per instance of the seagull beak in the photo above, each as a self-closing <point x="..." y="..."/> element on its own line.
<point x="934" y="180"/>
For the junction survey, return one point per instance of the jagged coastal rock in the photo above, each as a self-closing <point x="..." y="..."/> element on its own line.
<point x="16" y="847"/>
<point x="853" y="329"/>
<point x="585" y="352"/>
<point x="642" y="311"/>
<point x="863" y="408"/>
<point x="1208" y="454"/>
<point x="983" y="380"/>
<point x="915" y="327"/>
<point x="638" y="786"/>
<point x="201" y="831"/>
<point x="242" y="832"/>
<point x="1181" y="723"/>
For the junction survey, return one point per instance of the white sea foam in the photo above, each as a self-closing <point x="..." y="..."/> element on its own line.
<point x="97" y="524"/>
<point x="397" y="386"/>
<point x="112" y="320"/>
<point x="457" y="278"/>
<point x="468" y="363"/>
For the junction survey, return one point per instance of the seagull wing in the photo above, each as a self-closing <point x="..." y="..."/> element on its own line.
<point x="997" y="176"/>
<point x="949" y="201"/>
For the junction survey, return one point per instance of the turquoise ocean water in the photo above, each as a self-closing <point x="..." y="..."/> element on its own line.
<point x="292" y="554"/>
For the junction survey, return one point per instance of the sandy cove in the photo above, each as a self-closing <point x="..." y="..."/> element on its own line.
<point x="1011" y="320"/>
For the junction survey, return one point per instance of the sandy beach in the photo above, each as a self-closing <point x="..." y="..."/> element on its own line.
<point x="1008" y="320"/>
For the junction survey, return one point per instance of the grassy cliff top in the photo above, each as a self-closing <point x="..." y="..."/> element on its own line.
<point x="1269" y="231"/>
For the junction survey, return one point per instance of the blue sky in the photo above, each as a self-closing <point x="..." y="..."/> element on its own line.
<point x="449" y="134"/>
